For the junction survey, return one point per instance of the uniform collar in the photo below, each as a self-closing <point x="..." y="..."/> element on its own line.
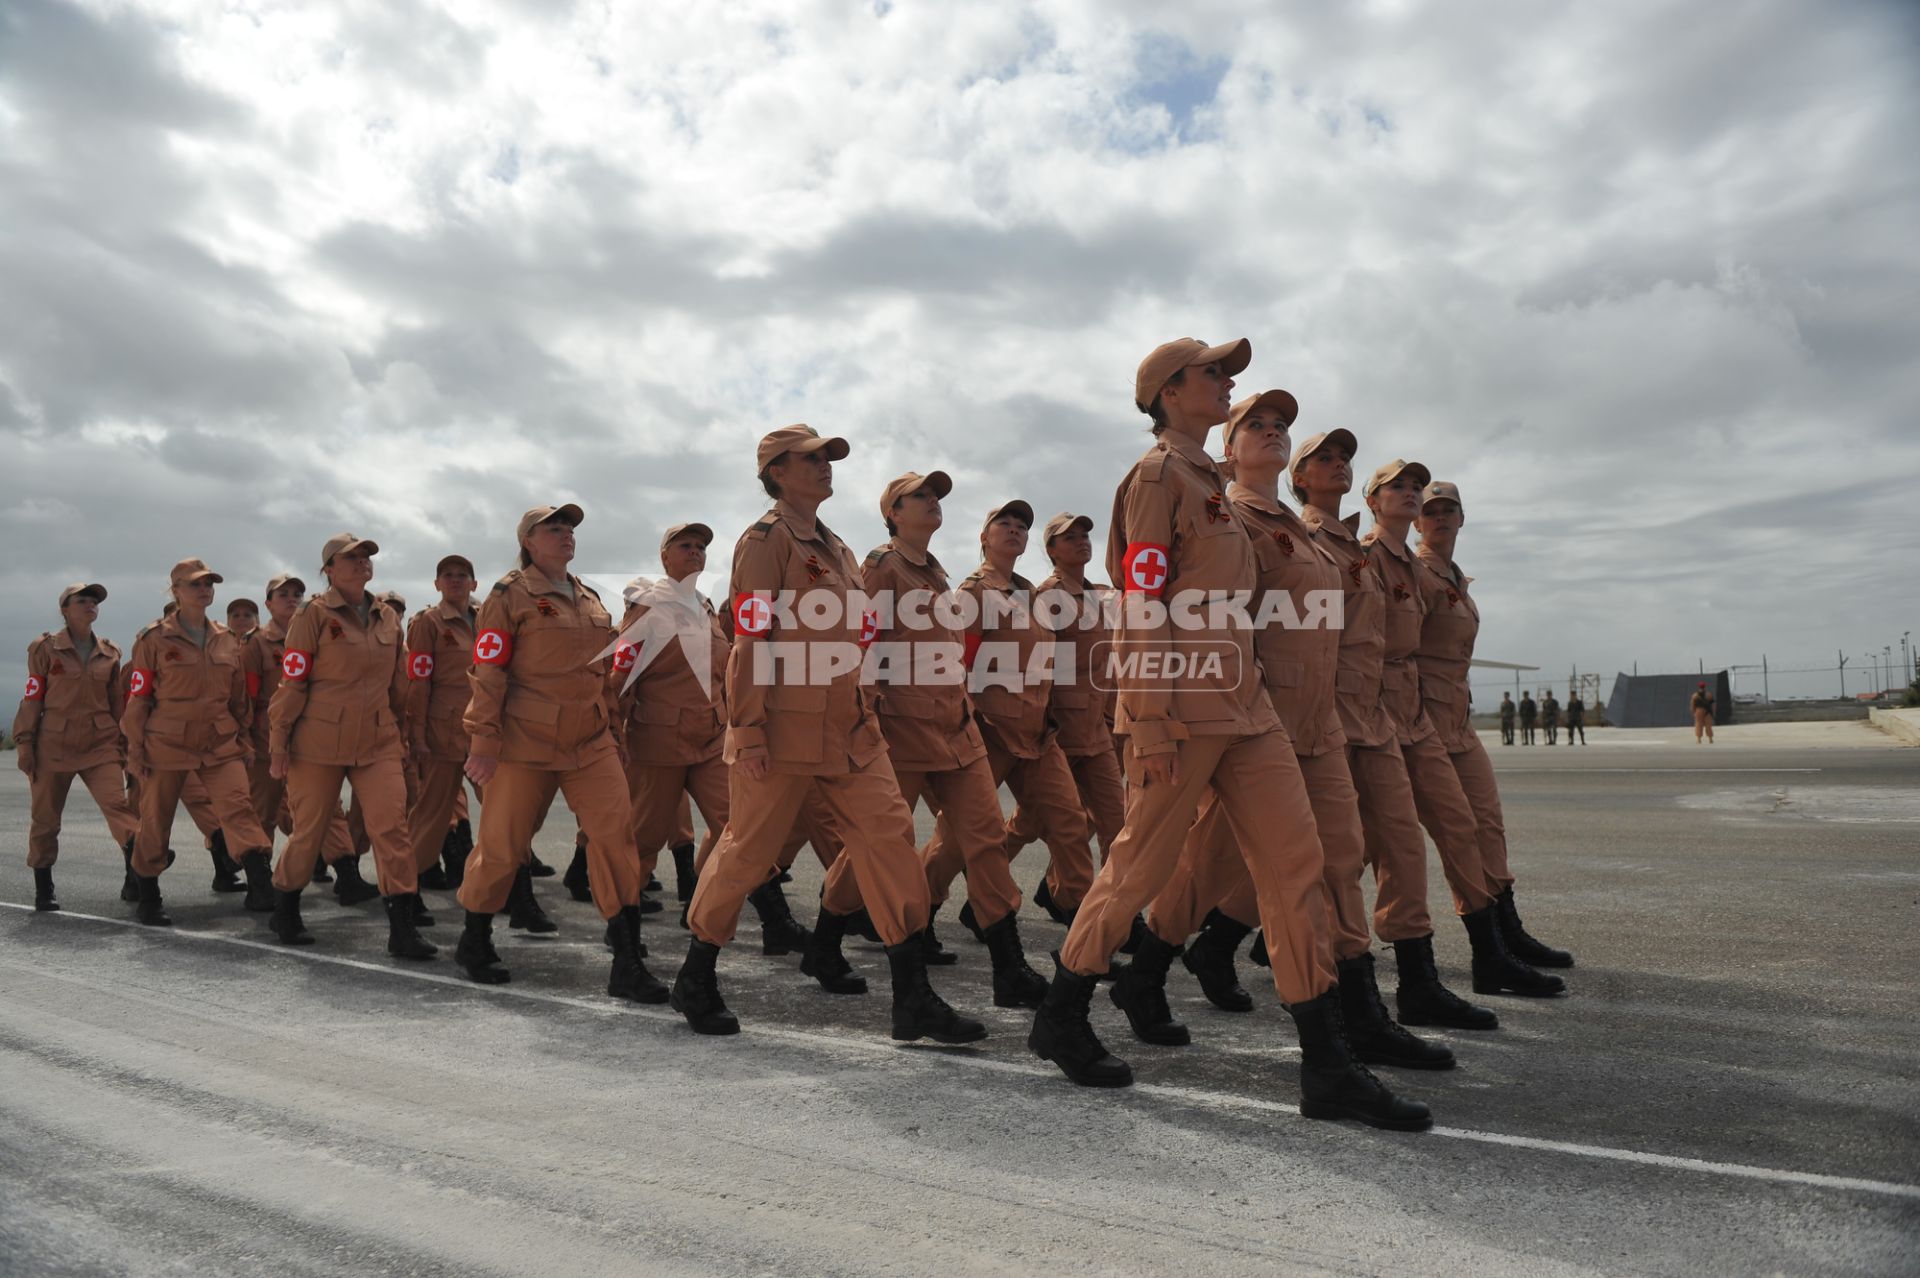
<point x="1187" y="449"/>
<point x="62" y="640"/>
<point x="1242" y="495"/>
<point x="332" y="598"/>
<point x="447" y="612"/>
<point x="806" y="528"/>
<point x="272" y="631"/>
<point x="1056" y="580"/>
<point x="994" y="578"/>
<point x="1324" y="521"/>
<point x="541" y="584"/>
<point x="911" y="555"/>
<point x="1376" y="536"/>
<point x="1445" y="567"/>
<point x="170" y="627"/>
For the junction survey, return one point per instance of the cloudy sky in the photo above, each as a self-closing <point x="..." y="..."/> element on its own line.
<point x="1640" y="277"/>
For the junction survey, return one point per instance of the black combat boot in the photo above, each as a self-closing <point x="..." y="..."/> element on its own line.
<point x="1135" y="935"/>
<point x="475" y="953"/>
<point x="1532" y="952"/>
<point x="938" y="955"/>
<point x="684" y="877"/>
<point x="1422" y="1000"/>
<point x="129" y="886"/>
<point x="538" y="868"/>
<point x="575" y="879"/>
<point x="1210" y="958"/>
<point x="1497" y="972"/>
<point x="971" y="922"/>
<point x="696" y="992"/>
<point x="860" y="924"/>
<point x="629" y="978"/>
<point x="1335" y="1085"/>
<point x="1258" y="954"/>
<point x="286" y="921"/>
<point x="1015" y="983"/>
<point x="780" y="933"/>
<point x="43" y="898"/>
<point x="421" y="916"/>
<point x="349" y="888"/>
<point x="151" y="910"/>
<point x="454" y="855"/>
<point x="1043" y="897"/>
<point x="918" y="1012"/>
<point x="523" y="908"/>
<point x="402" y="940"/>
<point x="1062" y="1034"/>
<point x="823" y="960"/>
<point x="258" y="867"/>
<point x="321" y="874"/>
<point x="1140" y="990"/>
<point x="650" y="906"/>
<point x="226" y="874"/>
<point x="1371" y="1032"/>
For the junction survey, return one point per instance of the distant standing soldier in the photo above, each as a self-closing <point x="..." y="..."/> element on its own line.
<point x="1576" y="719"/>
<point x="1507" y="713"/>
<point x="1529" y="713"/>
<point x="1550" y="716"/>
<point x="1702" y="713"/>
<point x="67" y="727"/>
<point x="439" y="685"/>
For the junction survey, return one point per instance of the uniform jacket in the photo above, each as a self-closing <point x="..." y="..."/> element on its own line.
<point x="539" y="680"/>
<point x="69" y="717"/>
<point x="1529" y="711"/>
<point x="667" y="719"/>
<point x="1406" y="613"/>
<point x="439" y="665"/>
<point x="812" y="724"/>
<point x="1550" y="712"/>
<point x="1445" y="655"/>
<point x="187" y="705"/>
<point x="928" y="718"/>
<point x="1082" y="710"/>
<point x="1363" y="643"/>
<point x="342" y="693"/>
<point x="1301" y="664"/>
<point x="1013" y="693"/>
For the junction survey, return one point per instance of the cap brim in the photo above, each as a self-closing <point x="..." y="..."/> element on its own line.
<point x="1014" y="507"/>
<point x="940" y="481"/>
<point x="209" y="575"/>
<point x="295" y="582"/>
<point x="94" y="591"/>
<point x="1082" y="522"/>
<point x="698" y="530"/>
<point x="571" y="513"/>
<point x="834" y="446"/>
<point x="1233" y="357"/>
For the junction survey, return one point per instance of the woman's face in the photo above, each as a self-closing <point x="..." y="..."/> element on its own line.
<point x="1005" y="538"/>
<point x="919" y="511"/>
<point x="1204" y="394"/>
<point x="1262" y="441"/>
<point x="1329" y="470"/>
<point x="349" y="569"/>
<point x="1398" y="498"/>
<point x="551" y="542"/>
<point x="81" y="610"/>
<point x="195" y="594"/>
<point x="684" y="557"/>
<point x="284" y="602"/>
<point x="803" y="476"/>
<point x="1440" y="520"/>
<point x="1072" y="548"/>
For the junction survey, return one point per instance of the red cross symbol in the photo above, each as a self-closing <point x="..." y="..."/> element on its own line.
<point x="140" y="682"/>
<point x="624" y="656"/>
<point x="491" y="648"/>
<point x="296" y="664"/>
<point x="752" y="615"/>
<point x="420" y="665"/>
<point x="869" y="627"/>
<point x="1146" y="565"/>
<point x="34" y="687"/>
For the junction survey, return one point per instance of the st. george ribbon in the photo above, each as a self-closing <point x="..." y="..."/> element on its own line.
<point x="673" y="610"/>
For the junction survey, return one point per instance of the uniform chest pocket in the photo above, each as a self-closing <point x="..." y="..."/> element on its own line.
<point x="1285" y="674"/>
<point x="534" y="721"/>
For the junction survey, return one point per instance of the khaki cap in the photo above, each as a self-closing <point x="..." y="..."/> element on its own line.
<point x="454" y="561"/>
<point x="1061" y="523"/>
<point x="341" y="543"/>
<point x="1339" y="436"/>
<point x="92" y="589"/>
<point x="1392" y="471"/>
<point x="1439" y="490"/>
<point x="938" y="480"/>
<point x="189" y="570"/>
<point x="286" y="579"/>
<point x="675" y="533"/>
<point x="1157" y="369"/>
<point x="241" y="603"/>
<point x="796" y="439"/>
<point x="1279" y="400"/>
<point x="568" y="514"/>
<point x="1017" y="508"/>
<point x="393" y="597"/>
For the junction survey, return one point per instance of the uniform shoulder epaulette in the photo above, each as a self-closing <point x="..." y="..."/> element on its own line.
<point x="763" y="525"/>
<point x="302" y="607"/>
<point x="935" y="564"/>
<point x="1021" y="583"/>
<point x="590" y="590"/>
<point x="878" y="553"/>
<point x="506" y="581"/>
<point x="1153" y="464"/>
<point x="1352" y="522"/>
<point x="141" y="633"/>
<point x="973" y="577"/>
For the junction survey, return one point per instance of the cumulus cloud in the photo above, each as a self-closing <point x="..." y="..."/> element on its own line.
<point x="1640" y="281"/>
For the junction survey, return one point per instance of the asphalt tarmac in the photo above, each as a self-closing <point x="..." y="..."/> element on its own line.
<point x="1731" y="1086"/>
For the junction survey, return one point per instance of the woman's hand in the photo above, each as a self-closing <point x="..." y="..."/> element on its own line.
<point x="481" y="767"/>
<point x="278" y="764"/>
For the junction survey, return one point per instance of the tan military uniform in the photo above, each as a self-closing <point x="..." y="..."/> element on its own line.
<point x="265" y="648"/>
<point x="541" y="706"/>
<point x="824" y="730"/>
<point x="439" y="665"/>
<point x="1438" y="799"/>
<point x="68" y="726"/>
<point x="1445" y="657"/>
<point x="1299" y="665"/>
<point x="936" y="747"/>
<point x="1174" y="531"/>
<point x="1023" y="748"/>
<point x="338" y="712"/>
<point x="188" y="715"/>
<point x="675" y="731"/>
<point x="1395" y="846"/>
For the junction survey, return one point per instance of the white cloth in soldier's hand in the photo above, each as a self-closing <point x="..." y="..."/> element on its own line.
<point x="673" y="610"/>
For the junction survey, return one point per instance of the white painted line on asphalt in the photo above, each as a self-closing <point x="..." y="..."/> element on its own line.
<point x="1183" y="1095"/>
<point x="1576" y="771"/>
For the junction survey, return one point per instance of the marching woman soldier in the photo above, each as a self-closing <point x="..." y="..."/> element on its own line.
<point x="1176" y="543"/>
<point x="672" y="718"/>
<point x="790" y="730"/>
<point x="1393" y="495"/>
<point x="1445" y="656"/>
<point x="539" y="723"/>
<point x="1299" y="652"/>
<point x="936" y="748"/>
<point x="336" y="716"/>
<point x="439" y="662"/>
<point x="68" y="726"/>
<point x="187" y="716"/>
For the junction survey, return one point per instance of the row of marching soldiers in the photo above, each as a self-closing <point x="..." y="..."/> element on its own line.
<point x="1248" y="796"/>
